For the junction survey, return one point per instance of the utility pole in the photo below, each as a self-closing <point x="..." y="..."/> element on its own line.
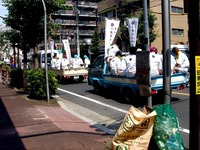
<point x="146" y="44"/>
<point x="45" y="45"/>
<point x="166" y="50"/>
<point x="77" y="12"/>
<point x="194" y="43"/>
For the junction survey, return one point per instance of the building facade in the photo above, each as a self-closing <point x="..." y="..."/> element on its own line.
<point x="78" y="24"/>
<point x="178" y="19"/>
<point x="178" y="23"/>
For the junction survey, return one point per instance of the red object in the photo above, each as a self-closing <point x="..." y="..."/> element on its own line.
<point x="154" y="92"/>
<point x="153" y="49"/>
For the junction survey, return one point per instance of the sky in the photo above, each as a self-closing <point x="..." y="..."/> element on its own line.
<point x="3" y="12"/>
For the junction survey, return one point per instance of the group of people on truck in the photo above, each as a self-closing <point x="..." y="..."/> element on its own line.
<point x="64" y="63"/>
<point x="126" y="65"/>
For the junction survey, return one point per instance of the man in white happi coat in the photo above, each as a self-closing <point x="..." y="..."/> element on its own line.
<point x="76" y="63"/>
<point x="86" y="61"/>
<point x="58" y="63"/>
<point x="118" y="64"/>
<point x="131" y="62"/>
<point x="155" y="62"/>
<point x="182" y="62"/>
<point x="53" y="62"/>
<point x="65" y="63"/>
<point x="173" y="62"/>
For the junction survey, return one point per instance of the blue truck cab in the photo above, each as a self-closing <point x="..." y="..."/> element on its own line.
<point x="100" y="78"/>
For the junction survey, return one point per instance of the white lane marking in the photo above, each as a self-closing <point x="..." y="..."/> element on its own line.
<point x="94" y="101"/>
<point x="109" y="106"/>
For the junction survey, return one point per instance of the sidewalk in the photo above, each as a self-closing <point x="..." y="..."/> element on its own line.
<point x="39" y="125"/>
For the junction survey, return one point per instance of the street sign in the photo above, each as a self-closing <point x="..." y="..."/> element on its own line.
<point x="142" y="72"/>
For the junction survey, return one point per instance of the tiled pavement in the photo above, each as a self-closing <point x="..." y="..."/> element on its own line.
<point x="33" y="124"/>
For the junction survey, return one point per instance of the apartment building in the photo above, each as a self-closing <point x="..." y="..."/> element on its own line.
<point x="78" y="24"/>
<point x="178" y="22"/>
<point x="178" y="19"/>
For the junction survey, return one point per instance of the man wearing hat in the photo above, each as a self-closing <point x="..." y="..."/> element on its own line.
<point x="76" y="62"/>
<point x="155" y="62"/>
<point x="86" y="61"/>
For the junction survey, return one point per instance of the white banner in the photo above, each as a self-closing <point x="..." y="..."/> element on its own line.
<point x="67" y="49"/>
<point x="111" y="27"/>
<point x="132" y="27"/>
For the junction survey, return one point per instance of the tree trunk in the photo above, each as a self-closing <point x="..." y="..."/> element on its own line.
<point x="36" y="63"/>
<point x="14" y="55"/>
<point x="25" y="69"/>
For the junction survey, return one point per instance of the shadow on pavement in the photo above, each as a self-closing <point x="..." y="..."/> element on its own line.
<point x="9" y="138"/>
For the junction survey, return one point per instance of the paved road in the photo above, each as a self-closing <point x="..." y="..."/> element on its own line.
<point x="107" y="111"/>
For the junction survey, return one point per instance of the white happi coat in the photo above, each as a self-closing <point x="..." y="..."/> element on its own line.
<point x="53" y="63"/>
<point x="64" y="63"/>
<point x="57" y="64"/>
<point x="173" y="62"/>
<point x="183" y="62"/>
<point x="155" y="64"/>
<point x="118" y="66"/>
<point x="75" y="63"/>
<point x="130" y="65"/>
<point x="86" y="62"/>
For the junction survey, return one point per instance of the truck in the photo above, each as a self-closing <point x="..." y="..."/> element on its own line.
<point x="100" y="79"/>
<point x="78" y="74"/>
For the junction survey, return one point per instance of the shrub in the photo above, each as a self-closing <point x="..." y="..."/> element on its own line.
<point x="16" y="78"/>
<point x="37" y="80"/>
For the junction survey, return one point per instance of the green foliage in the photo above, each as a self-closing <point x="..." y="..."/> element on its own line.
<point x="16" y="78"/>
<point x="37" y="80"/>
<point x="140" y="34"/>
<point x="95" y="46"/>
<point x="26" y="16"/>
<point x="152" y="33"/>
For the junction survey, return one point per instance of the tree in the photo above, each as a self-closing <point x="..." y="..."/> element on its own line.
<point x="14" y="37"/>
<point x="124" y="37"/>
<point x="152" y="33"/>
<point x="26" y="16"/>
<point x="95" y="46"/>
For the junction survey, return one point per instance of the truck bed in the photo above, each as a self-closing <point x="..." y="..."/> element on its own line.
<point x="71" y="72"/>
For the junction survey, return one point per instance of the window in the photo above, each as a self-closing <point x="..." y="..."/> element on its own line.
<point x="98" y="62"/>
<point x="177" y="32"/>
<point x="177" y="10"/>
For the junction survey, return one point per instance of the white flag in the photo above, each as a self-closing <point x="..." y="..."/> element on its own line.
<point x="110" y="32"/>
<point x="132" y="27"/>
<point x="67" y="49"/>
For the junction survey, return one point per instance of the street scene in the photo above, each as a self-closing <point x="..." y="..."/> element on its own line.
<point x="99" y="74"/>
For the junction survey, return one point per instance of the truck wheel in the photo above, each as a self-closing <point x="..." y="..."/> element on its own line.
<point x="128" y="95"/>
<point x="80" y="79"/>
<point x="97" y="88"/>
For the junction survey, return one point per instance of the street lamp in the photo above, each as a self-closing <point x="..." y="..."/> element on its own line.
<point x="45" y="45"/>
<point x="77" y="12"/>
